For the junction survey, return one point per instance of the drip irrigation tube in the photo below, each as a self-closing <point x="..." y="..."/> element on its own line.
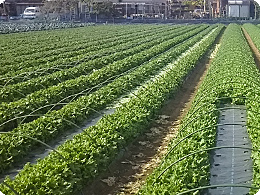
<point x="39" y="115"/>
<point x="34" y="139"/>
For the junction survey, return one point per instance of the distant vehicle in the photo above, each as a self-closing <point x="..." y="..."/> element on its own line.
<point x="32" y="13"/>
<point x="14" y="18"/>
<point x="199" y="13"/>
<point x="4" y="17"/>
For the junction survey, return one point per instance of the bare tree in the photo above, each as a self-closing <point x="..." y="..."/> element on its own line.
<point x="62" y="7"/>
<point x="59" y="7"/>
<point x="105" y="8"/>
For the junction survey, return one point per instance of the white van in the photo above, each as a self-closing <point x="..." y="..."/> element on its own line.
<point x="32" y="13"/>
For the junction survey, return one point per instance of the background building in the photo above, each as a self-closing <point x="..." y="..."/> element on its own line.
<point x="131" y="9"/>
<point x="16" y="7"/>
<point x="239" y="8"/>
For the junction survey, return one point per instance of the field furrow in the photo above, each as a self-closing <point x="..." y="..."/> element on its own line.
<point x="90" y="60"/>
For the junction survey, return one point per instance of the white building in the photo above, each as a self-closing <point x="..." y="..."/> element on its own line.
<point x="239" y="8"/>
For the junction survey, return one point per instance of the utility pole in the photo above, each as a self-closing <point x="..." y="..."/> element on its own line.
<point x="165" y="10"/>
<point x="204" y="6"/>
<point x="143" y="11"/>
<point x="126" y="10"/>
<point x="5" y="12"/>
<point x="220" y="8"/>
<point x="180" y="10"/>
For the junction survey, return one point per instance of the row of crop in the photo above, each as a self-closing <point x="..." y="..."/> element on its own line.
<point x="32" y="39"/>
<point x="48" y="39"/>
<point x="66" y="62"/>
<point x="38" y="101"/>
<point x="62" y="49"/>
<point x="253" y="32"/>
<point x="232" y="78"/>
<point x="6" y="28"/>
<point x="58" y="41"/>
<point x="14" y="148"/>
<point x="90" y="42"/>
<point x="28" y="43"/>
<point x="17" y="91"/>
<point x="90" y="58"/>
<point x="241" y="83"/>
<point x="59" y="64"/>
<point x="90" y="152"/>
<point x="65" y="55"/>
<point x="252" y="102"/>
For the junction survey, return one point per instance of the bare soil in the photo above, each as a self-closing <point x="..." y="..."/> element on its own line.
<point x="127" y="174"/>
<point x="254" y="49"/>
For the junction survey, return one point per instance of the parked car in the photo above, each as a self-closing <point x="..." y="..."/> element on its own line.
<point x="32" y="13"/>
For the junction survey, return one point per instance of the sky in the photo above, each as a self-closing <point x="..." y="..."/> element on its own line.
<point x="258" y="1"/>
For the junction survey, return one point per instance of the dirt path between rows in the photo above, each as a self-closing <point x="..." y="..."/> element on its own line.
<point x="254" y="49"/>
<point x="127" y="174"/>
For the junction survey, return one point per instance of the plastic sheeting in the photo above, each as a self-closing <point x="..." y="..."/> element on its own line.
<point x="231" y="165"/>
